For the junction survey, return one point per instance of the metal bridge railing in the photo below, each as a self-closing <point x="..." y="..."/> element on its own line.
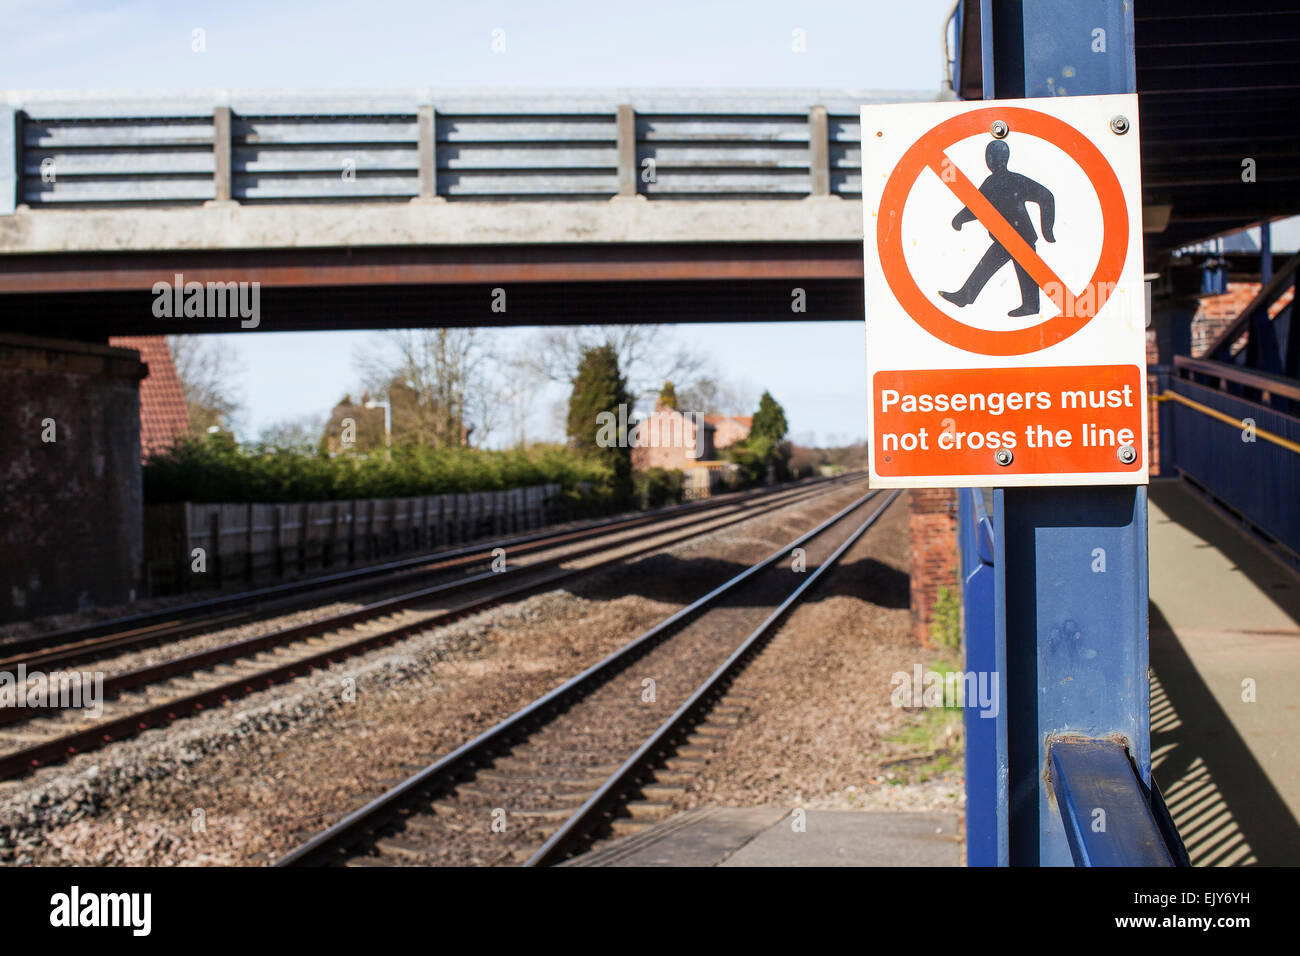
<point x="1110" y="818"/>
<point x="178" y="151"/>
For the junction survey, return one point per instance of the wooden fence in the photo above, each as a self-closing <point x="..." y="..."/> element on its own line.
<point x="189" y="546"/>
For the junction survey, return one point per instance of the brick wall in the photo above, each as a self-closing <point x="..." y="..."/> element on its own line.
<point x="70" y="512"/>
<point x="934" y="560"/>
<point x="666" y="439"/>
<point x="1215" y="312"/>
<point x="729" y="429"/>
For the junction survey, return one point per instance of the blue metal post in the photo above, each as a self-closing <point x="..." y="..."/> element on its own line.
<point x="1070" y="564"/>
<point x="1172" y="321"/>
<point x="986" y="738"/>
<point x="1072" y="571"/>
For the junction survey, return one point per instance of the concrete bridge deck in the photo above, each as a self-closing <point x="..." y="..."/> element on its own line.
<point x="354" y="209"/>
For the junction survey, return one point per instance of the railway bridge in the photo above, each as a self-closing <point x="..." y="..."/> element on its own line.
<point x="355" y="210"/>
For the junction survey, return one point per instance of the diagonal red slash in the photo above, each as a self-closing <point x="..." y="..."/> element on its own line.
<point x="970" y="197"/>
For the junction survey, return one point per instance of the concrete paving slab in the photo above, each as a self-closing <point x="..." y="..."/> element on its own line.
<point x="855" y="838"/>
<point x="700" y="837"/>
<point x="765" y="836"/>
<point x="1207" y="576"/>
<point x="1225" y="660"/>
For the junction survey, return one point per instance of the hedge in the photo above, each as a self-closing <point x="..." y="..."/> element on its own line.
<point x="215" y="469"/>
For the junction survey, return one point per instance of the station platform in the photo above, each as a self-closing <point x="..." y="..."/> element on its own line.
<point x="1224" y="614"/>
<point x="767" y="836"/>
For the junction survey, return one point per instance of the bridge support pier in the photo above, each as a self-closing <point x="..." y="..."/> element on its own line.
<point x="70" y="515"/>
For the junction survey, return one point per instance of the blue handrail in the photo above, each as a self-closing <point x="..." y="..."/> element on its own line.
<point x="1108" y="820"/>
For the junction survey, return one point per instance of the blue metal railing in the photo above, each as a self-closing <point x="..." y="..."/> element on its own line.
<point x="1242" y="452"/>
<point x="1110" y="818"/>
<point x="1263" y="337"/>
<point x="1230" y="421"/>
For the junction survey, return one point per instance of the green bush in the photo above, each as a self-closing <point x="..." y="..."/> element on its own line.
<point x="216" y="469"/>
<point x="656" y="487"/>
<point x="945" y="619"/>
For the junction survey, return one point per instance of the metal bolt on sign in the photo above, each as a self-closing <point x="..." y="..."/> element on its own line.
<point x="1003" y="456"/>
<point x="1119" y="125"/>
<point x="1000" y="129"/>
<point x="1127" y="454"/>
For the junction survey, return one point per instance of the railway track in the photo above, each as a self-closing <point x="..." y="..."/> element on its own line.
<point x="603" y="753"/>
<point x="154" y="694"/>
<point x="69" y="645"/>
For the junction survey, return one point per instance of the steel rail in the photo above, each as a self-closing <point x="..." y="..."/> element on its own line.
<point x="176" y="621"/>
<point x="481" y="749"/>
<point x="152" y="673"/>
<point x="591" y="815"/>
<point x="93" y="737"/>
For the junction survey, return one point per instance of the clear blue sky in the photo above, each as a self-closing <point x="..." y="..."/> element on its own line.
<point x="815" y="369"/>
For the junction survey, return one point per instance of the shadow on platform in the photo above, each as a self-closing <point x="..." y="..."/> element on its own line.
<point x="1226" y="766"/>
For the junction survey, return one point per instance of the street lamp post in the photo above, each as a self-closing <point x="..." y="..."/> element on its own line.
<point x="388" y="422"/>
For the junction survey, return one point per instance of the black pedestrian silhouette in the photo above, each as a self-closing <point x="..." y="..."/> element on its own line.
<point x="1008" y="192"/>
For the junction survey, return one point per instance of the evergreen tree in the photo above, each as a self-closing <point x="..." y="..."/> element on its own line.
<point x="598" y="391"/>
<point x="764" y="453"/>
<point x="668" y="396"/>
<point x="769" y="420"/>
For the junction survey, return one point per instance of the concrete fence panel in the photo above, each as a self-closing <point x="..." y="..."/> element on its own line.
<point x="192" y="546"/>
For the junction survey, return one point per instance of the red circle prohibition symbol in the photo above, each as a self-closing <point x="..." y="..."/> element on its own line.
<point x="1076" y="310"/>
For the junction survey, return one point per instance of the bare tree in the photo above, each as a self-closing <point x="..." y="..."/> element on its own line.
<point x="519" y="386"/>
<point x="711" y="394"/>
<point x="209" y="370"/>
<point x="301" y="433"/>
<point x="443" y="370"/>
<point x="646" y="354"/>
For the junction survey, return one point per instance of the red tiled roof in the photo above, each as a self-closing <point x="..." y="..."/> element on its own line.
<point x="746" y="420"/>
<point x="164" y="416"/>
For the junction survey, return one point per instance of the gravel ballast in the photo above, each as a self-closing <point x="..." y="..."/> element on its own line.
<point x="245" y="783"/>
<point x="820" y="730"/>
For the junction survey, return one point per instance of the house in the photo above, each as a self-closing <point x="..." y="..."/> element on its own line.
<point x="729" y="429"/>
<point x="702" y="479"/>
<point x="164" y="416"/>
<point x="686" y="442"/>
<point x="671" y="439"/>
<point x="353" y="428"/>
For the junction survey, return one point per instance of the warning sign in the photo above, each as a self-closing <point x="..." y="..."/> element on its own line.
<point x="1004" y="297"/>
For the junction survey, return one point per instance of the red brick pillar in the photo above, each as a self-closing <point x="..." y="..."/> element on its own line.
<point x="934" y="559"/>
